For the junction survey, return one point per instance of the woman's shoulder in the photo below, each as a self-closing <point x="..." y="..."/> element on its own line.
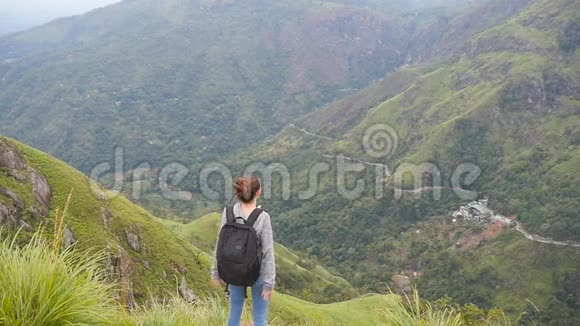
<point x="262" y="218"/>
<point x="264" y="212"/>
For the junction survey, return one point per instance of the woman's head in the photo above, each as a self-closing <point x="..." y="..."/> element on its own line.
<point x="247" y="189"/>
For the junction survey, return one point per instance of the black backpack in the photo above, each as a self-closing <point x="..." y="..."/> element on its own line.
<point x="238" y="251"/>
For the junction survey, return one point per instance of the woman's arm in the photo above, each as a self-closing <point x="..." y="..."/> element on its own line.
<point x="214" y="271"/>
<point x="268" y="267"/>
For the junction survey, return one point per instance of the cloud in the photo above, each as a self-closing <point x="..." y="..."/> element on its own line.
<point x="16" y="15"/>
<point x="54" y="8"/>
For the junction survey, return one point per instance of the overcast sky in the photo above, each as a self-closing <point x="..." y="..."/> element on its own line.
<point x="18" y="14"/>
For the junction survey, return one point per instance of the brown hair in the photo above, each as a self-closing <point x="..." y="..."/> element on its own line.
<point x="246" y="188"/>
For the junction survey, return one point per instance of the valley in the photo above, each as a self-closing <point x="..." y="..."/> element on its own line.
<point x="371" y="124"/>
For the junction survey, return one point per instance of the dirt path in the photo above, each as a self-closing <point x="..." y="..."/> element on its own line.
<point x="310" y="133"/>
<point x="357" y="160"/>
<point x="423" y="189"/>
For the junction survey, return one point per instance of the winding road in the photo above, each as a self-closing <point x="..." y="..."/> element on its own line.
<point x="533" y="237"/>
<point x="310" y="133"/>
<point x="518" y="226"/>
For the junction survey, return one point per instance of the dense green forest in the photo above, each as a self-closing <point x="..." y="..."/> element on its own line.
<point x="174" y="81"/>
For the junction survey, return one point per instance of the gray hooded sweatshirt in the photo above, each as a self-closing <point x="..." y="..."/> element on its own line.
<point x="263" y="229"/>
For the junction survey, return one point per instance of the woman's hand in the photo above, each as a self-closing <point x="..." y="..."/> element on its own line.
<point x="217" y="282"/>
<point x="267" y="294"/>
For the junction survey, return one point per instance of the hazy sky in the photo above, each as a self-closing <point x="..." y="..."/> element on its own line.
<point x="18" y="14"/>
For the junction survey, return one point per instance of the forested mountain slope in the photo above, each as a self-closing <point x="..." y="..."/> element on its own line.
<point x="187" y="80"/>
<point x="508" y="103"/>
<point x="179" y="80"/>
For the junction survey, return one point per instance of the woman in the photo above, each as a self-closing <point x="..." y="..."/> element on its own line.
<point x="247" y="191"/>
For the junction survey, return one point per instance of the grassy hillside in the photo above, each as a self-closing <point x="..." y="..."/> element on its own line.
<point x="153" y="266"/>
<point x="162" y="258"/>
<point x="297" y="277"/>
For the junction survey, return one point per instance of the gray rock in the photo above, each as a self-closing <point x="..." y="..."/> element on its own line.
<point x="17" y="175"/>
<point x="106" y="216"/>
<point x="69" y="238"/>
<point x="16" y="201"/>
<point x="178" y="268"/>
<point x="186" y="293"/>
<point x="133" y="238"/>
<point x="100" y="195"/>
<point x="120" y="268"/>
<point x="26" y="226"/>
<point x="10" y="158"/>
<point x="35" y="213"/>
<point x="40" y="190"/>
<point x="11" y="214"/>
<point x="6" y="215"/>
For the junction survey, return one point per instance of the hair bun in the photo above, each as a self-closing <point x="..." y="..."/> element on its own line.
<point x="246" y="188"/>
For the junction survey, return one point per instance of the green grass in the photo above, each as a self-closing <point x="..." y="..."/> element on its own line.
<point x="176" y="312"/>
<point x="410" y="311"/>
<point x="39" y="286"/>
<point x="368" y="310"/>
<point x="153" y="270"/>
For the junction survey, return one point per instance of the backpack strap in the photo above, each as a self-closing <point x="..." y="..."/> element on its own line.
<point x="254" y="216"/>
<point x="230" y="214"/>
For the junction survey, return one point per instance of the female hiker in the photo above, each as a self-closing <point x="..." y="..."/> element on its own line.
<point x="244" y="255"/>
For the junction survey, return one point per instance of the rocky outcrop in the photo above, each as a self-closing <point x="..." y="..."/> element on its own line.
<point x="11" y="210"/>
<point x="106" y="216"/>
<point x="10" y="158"/>
<point x="40" y="190"/>
<point x="120" y="272"/>
<point x="133" y="238"/>
<point x="186" y="293"/>
<point x="178" y="268"/>
<point x="12" y="207"/>
<point x="69" y="238"/>
<point x="8" y="216"/>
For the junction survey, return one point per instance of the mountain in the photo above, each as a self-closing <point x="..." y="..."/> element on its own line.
<point x="492" y="89"/>
<point x="182" y="79"/>
<point x="146" y="259"/>
<point x="190" y="81"/>
<point x="506" y="104"/>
